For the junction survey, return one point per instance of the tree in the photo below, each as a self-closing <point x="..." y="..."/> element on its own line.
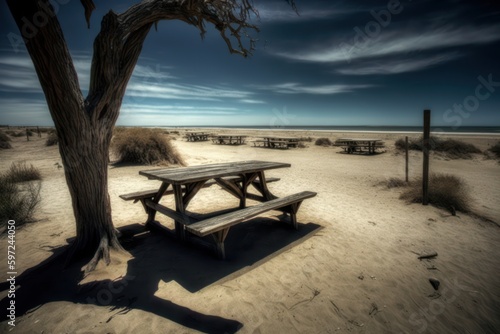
<point x="84" y="125"/>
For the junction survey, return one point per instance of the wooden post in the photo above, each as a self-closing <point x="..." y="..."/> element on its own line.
<point x="406" y="166"/>
<point x="426" y="148"/>
<point x="27" y="136"/>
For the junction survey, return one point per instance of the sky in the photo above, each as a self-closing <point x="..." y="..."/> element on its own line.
<point x="364" y="63"/>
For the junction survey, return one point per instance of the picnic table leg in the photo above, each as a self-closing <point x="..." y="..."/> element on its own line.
<point x="152" y="212"/>
<point x="262" y="187"/>
<point x="179" y="207"/>
<point x="219" y="238"/>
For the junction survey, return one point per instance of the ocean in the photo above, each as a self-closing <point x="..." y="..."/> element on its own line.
<point x="418" y="129"/>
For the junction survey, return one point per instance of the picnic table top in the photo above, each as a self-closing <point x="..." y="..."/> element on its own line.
<point x="186" y="175"/>
<point x="229" y="135"/>
<point x="350" y="140"/>
<point x="281" y="138"/>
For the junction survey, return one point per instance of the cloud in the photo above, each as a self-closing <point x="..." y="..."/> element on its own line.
<point x="287" y="14"/>
<point x="149" y="109"/>
<point x="296" y="88"/>
<point x="389" y="43"/>
<point x="397" y="65"/>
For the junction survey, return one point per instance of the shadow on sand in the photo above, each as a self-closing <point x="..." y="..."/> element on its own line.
<point x="158" y="258"/>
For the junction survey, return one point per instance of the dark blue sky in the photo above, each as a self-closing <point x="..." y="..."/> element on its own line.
<point x="337" y="63"/>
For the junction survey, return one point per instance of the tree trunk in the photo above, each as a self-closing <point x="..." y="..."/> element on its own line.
<point x="86" y="170"/>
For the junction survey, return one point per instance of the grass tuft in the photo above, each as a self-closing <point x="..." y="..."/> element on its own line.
<point x="495" y="149"/>
<point x="452" y="148"/>
<point x="395" y="182"/>
<point x="323" y="142"/>
<point x="18" y="201"/>
<point x="4" y="141"/>
<point x="145" y="146"/>
<point x="445" y="191"/>
<point x="19" y="172"/>
<point x="52" y="139"/>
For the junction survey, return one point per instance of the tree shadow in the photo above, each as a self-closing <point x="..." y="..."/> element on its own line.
<point x="155" y="259"/>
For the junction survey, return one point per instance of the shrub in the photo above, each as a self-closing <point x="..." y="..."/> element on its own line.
<point x="323" y="142"/>
<point x="52" y="139"/>
<point x="4" y="141"/>
<point x="17" y="134"/>
<point x="395" y="182"/>
<point x="495" y="149"/>
<point x="445" y="191"/>
<point x="29" y="133"/>
<point x="19" y="172"/>
<point x="453" y="148"/>
<point x="17" y="202"/>
<point x="145" y="146"/>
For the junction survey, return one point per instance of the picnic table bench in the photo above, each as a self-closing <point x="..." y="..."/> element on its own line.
<point x="359" y="145"/>
<point x="235" y="178"/>
<point x="229" y="139"/>
<point x="277" y="142"/>
<point x="196" y="136"/>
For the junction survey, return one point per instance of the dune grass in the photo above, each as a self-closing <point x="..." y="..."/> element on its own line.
<point x="4" y="141"/>
<point x="52" y="139"/>
<point x="145" y="146"/>
<point x="445" y="191"/>
<point x="20" y="172"/>
<point x="495" y="149"/>
<point x="19" y="195"/>
<point x="452" y="148"/>
<point x="323" y="142"/>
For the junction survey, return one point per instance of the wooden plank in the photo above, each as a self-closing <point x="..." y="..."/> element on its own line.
<point x="197" y="173"/>
<point x="186" y="220"/>
<point x="152" y="192"/>
<point x="214" y="224"/>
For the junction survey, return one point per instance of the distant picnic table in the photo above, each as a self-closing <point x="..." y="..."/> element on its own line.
<point x="197" y="136"/>
<point x="233" y="177"/>
<point x="353" y="145"/>
<point x="277" y="142"/>
<point x="232" y="139"/>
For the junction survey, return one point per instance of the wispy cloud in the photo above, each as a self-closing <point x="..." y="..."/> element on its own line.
<point x="149" y="109"/>
<point x="296" y="88"/>
<point x="395" y="42"/>
<point x="397" y="65"/>
<point x="286" y="14"/>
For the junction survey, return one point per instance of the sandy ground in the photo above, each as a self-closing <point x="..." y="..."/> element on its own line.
<point x="352" y="267"/>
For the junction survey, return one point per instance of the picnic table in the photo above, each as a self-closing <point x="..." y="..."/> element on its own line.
<point x="277" y="142"/>
<point x="197" y="136"/>
<point x="234" y="177"/>
<point x="229" y="139"/>
<point x="352" y="145"/>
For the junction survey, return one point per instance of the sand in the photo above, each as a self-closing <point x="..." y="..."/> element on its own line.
<point x="351" y="267"/>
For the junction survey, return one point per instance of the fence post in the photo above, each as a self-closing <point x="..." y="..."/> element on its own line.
<point x="406" y="166"/>
<point x="426" y="148"/>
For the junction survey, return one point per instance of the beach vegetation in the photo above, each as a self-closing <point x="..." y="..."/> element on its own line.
<point x="4" y="141"/>
<point x="323" y="142"/>
<point x="52" y="139"/>
<point x="445" y="191"/>
<point x="145" y="146"/>
<point x="452" y="148"/>
<point x="20" y="172"/>
<point x="395" y="182"/>
<point x="18" y="199"/>
<point x="495" y="149"/>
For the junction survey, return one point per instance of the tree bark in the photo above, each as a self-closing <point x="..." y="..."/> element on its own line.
<point x="84" y="126"/>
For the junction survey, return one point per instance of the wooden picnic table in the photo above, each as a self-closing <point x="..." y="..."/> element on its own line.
<point x="352" y="145"/>
<point x="197" y="136"/>
<point x="277" y="142"/>
<point x="233" y="177"/>
<point x="229" y="139"/>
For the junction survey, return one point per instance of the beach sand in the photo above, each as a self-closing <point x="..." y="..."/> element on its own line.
<point x="351" y="267"/>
